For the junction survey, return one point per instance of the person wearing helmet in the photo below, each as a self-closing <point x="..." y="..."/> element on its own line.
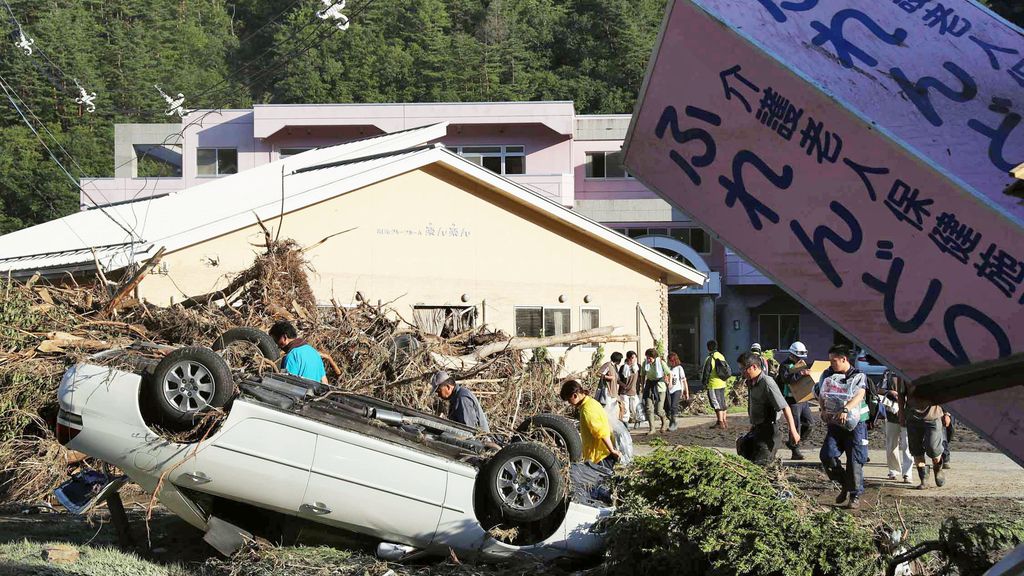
<point x="793" y="368"/>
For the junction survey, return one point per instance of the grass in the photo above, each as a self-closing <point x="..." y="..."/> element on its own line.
<point x="24" y="558"/>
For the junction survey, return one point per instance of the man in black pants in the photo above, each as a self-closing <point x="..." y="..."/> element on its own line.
<point x="764" y="403"/>
<point x="791" y="370"/>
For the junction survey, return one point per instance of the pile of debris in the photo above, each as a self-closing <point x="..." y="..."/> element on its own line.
<point x="368" y="349"/>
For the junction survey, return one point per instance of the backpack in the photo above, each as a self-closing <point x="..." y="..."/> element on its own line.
<point x="722" y="369"/>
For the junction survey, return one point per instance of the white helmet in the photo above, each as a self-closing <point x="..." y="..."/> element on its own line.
<point x="798" y="349"/>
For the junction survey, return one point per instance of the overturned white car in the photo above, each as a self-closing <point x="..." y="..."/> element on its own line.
<point x="342" y="460"/>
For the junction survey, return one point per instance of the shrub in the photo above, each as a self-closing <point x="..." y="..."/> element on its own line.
<point x="694" y="510"/>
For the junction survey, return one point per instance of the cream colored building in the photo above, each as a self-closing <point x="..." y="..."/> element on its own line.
<point x="421" y="228"/>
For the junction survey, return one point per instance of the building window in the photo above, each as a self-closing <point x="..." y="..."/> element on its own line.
<point x="497" y="159"/>
<point x="695" y="238"/>
<point x="537" y="321"/>
<point x="778" y="331"/>
<point x="216" y="161"/>
<point x="606" y="165"/>
<point x="286" y="152"/>
<point x="157" y="160"/>
<point x="444" y="321"/>
<point x="556" y="321"/>
<point x="590" y="318"/>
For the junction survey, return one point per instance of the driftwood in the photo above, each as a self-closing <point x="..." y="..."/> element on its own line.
<point x="593" y="335"/>
<point x="125" y="290"/>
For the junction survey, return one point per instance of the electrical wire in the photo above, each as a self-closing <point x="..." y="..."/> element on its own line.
<point x="8" y="92"/>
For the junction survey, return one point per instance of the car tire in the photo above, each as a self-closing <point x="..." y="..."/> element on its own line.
<point x="564" y="431"/>
<point x="258" y="337"/>
<point x="186" y="383"/>
<point x="524" y="482"/>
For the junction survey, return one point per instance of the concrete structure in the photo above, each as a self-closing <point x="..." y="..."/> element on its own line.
<point x="424" y="229"/>
<point x="545" y="146"/>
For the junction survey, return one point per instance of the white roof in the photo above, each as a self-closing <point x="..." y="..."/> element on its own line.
<point x="230" y="203"/>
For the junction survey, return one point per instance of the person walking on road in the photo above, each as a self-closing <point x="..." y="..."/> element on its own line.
<point x="764" y="404"/>
<point x="596" y="431"/>
<point x="300" y="358"/>
<point x="656" y="378"/>
<point x="897" y="446"/>
<point x="463" y="407"/>
<point x="678" y="389"/>
<point x="925" y="435"/>
<point x="629" y="390"/>
<point x="791" y="370"/>
<point x="841" y="395"/>
<point x="713" y="376"/>
<point x="608" y="374"/>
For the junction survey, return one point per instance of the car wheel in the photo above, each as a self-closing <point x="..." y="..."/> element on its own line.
<point x="553" y="429"/>
<point x="255" y="336"/>
<point x="186" y="383"/>
<point x="524" y="482"/>
<point x="402" y="348"/>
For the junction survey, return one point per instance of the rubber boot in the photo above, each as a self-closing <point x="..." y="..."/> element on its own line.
<point x="940" y="475"/>
<point x="922" y="473"/>
<point x="797" y="454"/>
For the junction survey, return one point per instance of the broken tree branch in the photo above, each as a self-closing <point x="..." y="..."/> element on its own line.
<point x="131" y="284"/>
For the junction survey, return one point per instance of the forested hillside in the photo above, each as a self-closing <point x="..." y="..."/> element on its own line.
<point x="233" y="53"/>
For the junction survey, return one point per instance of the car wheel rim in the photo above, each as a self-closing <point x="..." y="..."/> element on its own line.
<point x="188" y="386"/>
<point x="522" y="483"/>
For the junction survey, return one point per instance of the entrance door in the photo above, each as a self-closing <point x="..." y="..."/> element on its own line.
<point x="682" y="337"/>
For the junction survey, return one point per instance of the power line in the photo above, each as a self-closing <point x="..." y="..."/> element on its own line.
<point x="8" y="92"/>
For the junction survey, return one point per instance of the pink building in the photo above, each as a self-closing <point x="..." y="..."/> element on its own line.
<point x="546" y="147"/>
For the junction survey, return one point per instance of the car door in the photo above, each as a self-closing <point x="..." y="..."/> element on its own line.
<point x="256" y="461"/>
<point x="375" y="487"/>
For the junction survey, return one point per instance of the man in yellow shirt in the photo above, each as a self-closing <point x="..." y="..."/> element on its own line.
<point x="715" y="367"/>
<point x="595" y="429"/>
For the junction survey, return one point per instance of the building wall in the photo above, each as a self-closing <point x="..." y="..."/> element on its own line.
<point x="498" y="253"/>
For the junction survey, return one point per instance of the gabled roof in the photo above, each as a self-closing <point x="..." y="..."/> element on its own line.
<point x="235" y="202"/>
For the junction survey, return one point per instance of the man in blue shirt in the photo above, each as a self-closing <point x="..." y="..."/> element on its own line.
<point x="300" y="358"/>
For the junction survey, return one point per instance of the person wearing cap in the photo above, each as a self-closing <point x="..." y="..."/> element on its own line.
<point x="755" y="349"/>
<point x="463" y="407"/>
<point x="764" y="405"/>
<point x="841" y="394"/>
<point x="789" y="374"/>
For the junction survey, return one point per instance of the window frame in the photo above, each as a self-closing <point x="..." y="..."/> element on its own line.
<point x="216" y="162"/>
<point x="632" y="232"/>
<point x="515" y="321"/>
<point x="778" y="328"/>
<point x="503" y="153"/>
<point x="583" y="310"/>
<point x="567" y="309"/>
<point x="543" y="319"/>
<point x="605" y="154"/>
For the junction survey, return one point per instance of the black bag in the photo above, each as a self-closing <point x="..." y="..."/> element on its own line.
<point x="722" y="369"/>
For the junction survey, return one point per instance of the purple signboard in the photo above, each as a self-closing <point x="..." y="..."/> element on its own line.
<point x="825" y="196"/>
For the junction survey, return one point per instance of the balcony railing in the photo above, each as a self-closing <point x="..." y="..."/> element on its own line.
<point x="556" y="187"/>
